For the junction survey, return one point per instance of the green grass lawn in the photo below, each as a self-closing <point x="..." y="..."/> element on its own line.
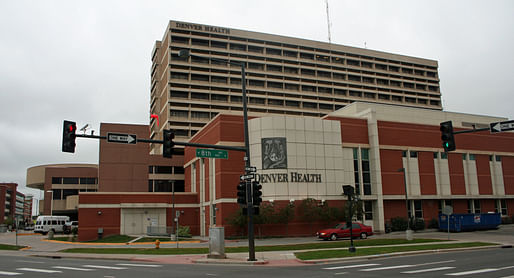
<point x="341" y="253"/>
<point x="292" y="247"/>
<point x="10" y="247"/>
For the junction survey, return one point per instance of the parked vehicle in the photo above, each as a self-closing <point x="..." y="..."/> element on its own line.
<point x="343" y="230"/>
<point x="69" y="226"/>
<point x="47" y="223"/>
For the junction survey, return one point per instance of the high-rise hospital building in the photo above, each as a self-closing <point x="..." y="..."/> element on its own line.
<point x="285" y="75"/>
<point x="320" y="116"/>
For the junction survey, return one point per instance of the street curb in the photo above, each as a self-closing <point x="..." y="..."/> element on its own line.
<point x="229" y="261"/>
<point x="370" y="257"/>
<point x="119" y="244"/>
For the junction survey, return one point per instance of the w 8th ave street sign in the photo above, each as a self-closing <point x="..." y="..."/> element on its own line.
<point x="212" y="153"/>
<point x="501" y="126"/>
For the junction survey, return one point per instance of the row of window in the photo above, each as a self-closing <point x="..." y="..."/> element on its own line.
<point x="74" y="180"/>
<point x="166" y="186"/>
<point x="474" y="206"/>
<point x="444" y="155"/>
<point x="61" y="194"/>
<point x="165" y="170"/>
<point x="357" y="77"/>
<point x="294" y="54"/>
<point x="316" y="89"/>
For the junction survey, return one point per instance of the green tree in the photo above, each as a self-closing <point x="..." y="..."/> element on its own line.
<point x="238" y="220"/>
<point x="285" y="215"/>
<point x="266" y="216"/>
<point x="310" y="211"/>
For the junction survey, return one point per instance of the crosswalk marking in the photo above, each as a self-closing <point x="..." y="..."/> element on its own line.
<point x="478" y="271"/>
<point x="141" y="265"/>
<point x="387" y="267"/>
<point x="104" y="267"/>
<point x="472" y="272"/>
<point x="428" y="270"/>
<point x="9" y="273"/>
<point x="72" y="268"/>
<point x="349" y="266"/>
<point x="39" y="270"/>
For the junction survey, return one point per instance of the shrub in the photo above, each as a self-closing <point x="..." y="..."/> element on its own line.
<point x="417" y="224"/>
<point x="433" y="224"/>
<point x="184" y="231"/>
<point x="398" y="224"/>
<point x="507" y="220"/>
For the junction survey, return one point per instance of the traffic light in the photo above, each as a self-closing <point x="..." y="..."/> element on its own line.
<point x="68" y="136"/>
<point x="447" y="136"/>
<point x="256" y="194"/>
<point x="242" y="193"/>
<point x="168" y="144"/>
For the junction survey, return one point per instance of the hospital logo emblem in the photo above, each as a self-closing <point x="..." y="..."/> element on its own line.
<point x="274" y="153"/>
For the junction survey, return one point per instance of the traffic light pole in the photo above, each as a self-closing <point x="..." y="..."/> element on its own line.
<point x="218" y="147"/>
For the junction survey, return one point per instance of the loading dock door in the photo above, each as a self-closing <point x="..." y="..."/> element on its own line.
<point x="134" y="221"/>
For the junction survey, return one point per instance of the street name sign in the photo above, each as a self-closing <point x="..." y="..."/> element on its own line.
<point x="223" y="154"/>
<point x="121" y="138"/>
<point x="251" y="169"/>
<point x="247" y="177"/>
<point x="501" y="126"/>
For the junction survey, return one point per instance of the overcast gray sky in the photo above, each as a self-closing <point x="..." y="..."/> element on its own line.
<point x="89" y="61"/>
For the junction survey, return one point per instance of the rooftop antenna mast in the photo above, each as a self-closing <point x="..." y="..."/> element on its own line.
<point x="328" y="23"/>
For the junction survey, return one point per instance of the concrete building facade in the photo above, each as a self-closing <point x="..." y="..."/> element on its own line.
<point x="285" y="75"/>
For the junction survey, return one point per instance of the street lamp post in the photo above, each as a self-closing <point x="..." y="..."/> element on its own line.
<point x="408" y="233"/>
<point x="51" y="202"/>
<point x="184" y="53"/>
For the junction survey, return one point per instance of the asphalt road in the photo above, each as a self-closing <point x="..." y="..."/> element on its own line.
<point x="497" y="262"/>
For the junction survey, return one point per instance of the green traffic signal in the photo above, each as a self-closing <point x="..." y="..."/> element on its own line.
<point x="447" y="136"/>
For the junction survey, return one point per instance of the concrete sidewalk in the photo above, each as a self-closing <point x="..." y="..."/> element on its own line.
<point x="41" y="247"/>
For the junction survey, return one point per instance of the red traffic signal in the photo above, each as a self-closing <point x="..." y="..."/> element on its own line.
<point x="68" y="136"/>
<point x="168" y="144"/>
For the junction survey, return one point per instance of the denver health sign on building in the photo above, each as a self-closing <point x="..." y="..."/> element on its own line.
<point x="298" y="157"/>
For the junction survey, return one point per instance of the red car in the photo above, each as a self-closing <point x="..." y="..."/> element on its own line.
<point x="343" y="230"/>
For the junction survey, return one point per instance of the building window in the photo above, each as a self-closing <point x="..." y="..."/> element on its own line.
<point x="356" y="171"/>
<point x="214" y="214"/>
<point x="418" y="209"/>
<point x="178" y="170"/>
<point x="163" y="169"/>
<point x="56" y="194"/>
<point x="498" y="158"/>
<point x="476" y="204"/>
<point x="444" y="156"/>
<point x="366" y="175"/>
<point x="70" y="180"/>
<point x="500" y="206"/>
<point x="436" y="155"/>
<point x="69" y="192"/>
<point x="56" y="180"/>
<point x="464" y="156"/>
<point x="413" y="154"/>
<point x="368" y="210"/>
<point x="471" y="157"/>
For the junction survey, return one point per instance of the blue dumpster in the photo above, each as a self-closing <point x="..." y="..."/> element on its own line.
<point x="460" y="222"/>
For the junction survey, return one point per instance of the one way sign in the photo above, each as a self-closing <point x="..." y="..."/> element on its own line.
<point x="501" y="126"/>
<point x="121" y="138"/>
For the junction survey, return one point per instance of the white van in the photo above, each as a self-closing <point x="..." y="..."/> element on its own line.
<point x="46" y="223"/>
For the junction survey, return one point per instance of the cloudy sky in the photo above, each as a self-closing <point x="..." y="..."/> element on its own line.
<point x="89" y="61"/>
